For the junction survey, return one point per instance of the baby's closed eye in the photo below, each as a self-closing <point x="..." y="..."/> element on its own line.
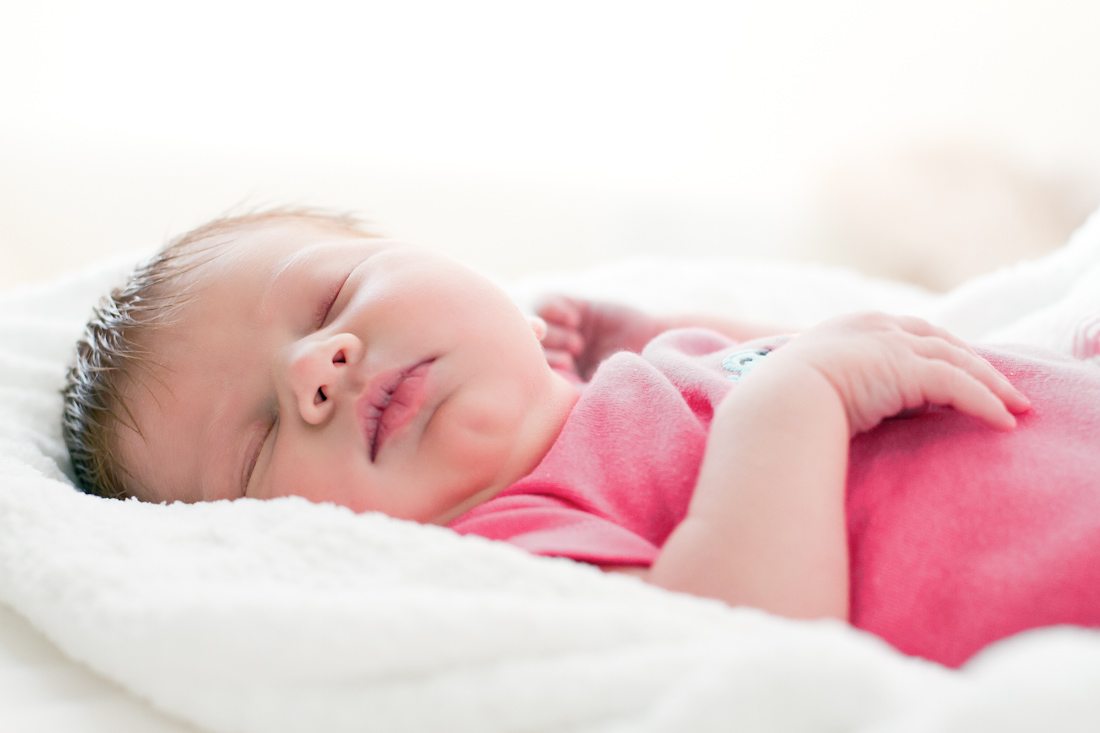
<point x="326" y="304"/>
<point x="254" y="452"/>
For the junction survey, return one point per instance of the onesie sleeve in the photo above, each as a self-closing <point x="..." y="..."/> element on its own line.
<point x="545" y="525"/>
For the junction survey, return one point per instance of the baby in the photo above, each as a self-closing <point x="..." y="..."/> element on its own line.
<point x="290" y="353"/>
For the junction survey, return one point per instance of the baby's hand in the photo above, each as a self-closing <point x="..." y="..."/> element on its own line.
<point x="582" y="333"/>
<point x="883" y="365"/>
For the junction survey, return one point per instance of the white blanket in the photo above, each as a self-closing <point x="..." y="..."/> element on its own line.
<point x="286" y="616"/>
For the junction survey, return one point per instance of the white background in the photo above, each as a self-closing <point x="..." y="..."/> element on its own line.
<point x="519" y="135"/>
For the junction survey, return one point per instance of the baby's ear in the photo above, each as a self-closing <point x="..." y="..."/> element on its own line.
<point x="538" y="326"/>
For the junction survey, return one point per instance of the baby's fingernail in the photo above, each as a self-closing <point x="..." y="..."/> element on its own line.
<point x="1004" y="421"/>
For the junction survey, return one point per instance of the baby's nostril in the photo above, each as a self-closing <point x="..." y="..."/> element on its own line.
<point x="339" y="358"/>
<point x="320" y="396"/>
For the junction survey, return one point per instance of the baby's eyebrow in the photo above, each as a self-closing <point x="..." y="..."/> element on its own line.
<point x="272" y="287"/>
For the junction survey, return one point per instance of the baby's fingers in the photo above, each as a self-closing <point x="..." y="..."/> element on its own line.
<point x="961" y="355"/>
<point x="558" y="359"/>
<point x="562" y="339"/>
<point x="944" y="383"/>
<point x="560" y="310"/>
<point x="563" y="319"/>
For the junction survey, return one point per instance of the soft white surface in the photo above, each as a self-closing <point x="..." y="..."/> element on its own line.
<point x="286" y="616"/>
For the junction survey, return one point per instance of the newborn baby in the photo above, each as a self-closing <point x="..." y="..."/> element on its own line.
<point x="289" y="353"/>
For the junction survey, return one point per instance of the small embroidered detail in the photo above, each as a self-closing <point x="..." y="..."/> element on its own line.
<point x="740" y="363"/>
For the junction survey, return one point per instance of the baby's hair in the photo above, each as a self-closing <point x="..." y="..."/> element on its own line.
<point x="110" y="352"/>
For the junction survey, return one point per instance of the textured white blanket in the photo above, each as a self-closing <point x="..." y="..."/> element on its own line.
<point x="286" y="616"/>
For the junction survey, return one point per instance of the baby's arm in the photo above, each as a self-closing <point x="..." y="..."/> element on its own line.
<point x="766" y="525"/>
<point x="582" y="333"/>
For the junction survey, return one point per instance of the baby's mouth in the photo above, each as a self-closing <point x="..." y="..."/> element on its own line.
<point x="392" y="400"/>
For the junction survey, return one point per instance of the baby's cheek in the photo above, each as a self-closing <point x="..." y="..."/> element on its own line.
<point x="470" y="440"/>
<point x="316" y="478"/>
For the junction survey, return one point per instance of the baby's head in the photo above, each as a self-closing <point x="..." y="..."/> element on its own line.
<point x="290" y="353"/>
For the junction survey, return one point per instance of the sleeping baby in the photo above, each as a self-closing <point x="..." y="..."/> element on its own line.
<point x="873" y="468"/>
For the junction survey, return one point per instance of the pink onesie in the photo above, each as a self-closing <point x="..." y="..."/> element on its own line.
<point x="959" y="535"/>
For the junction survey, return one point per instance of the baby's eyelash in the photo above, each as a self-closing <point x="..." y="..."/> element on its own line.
<point x="254" y="457"/>
<point x="327" y="303"/>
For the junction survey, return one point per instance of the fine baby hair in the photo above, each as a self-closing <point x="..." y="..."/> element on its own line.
<point x="110" y="353"/>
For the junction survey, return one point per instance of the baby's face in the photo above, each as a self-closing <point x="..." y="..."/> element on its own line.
<point x="317" y="363"/>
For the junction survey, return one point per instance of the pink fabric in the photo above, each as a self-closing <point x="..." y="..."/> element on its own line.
<point x="620" y="475"/>
<point x="959" y="535"/>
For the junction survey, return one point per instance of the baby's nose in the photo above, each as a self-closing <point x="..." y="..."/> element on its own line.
<point x="319" y="371"/>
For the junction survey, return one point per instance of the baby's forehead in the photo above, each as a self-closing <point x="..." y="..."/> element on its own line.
<point x="230" y="259"/>
<point x="255" y="249"/>
<point x="234" y="274"/>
